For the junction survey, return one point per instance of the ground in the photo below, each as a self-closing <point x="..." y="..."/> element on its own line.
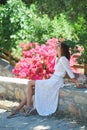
<point x="36" y="122"/>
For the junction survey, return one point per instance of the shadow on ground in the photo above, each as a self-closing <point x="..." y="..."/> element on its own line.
<point x="36" y="122"/>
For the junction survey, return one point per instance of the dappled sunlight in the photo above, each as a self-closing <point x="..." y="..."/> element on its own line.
<point x="2" y="110"/>
<point x="83" y="127"/>
<point x="42" y="127"/>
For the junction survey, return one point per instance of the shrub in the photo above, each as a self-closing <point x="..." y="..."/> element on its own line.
<point x="19" y="23"/>
<point x="15" y="19"/>
<point x="62" y="27"/>
<point x="37" y="62"/>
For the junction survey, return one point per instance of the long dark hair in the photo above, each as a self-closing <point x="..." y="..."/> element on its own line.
<point x="65" y="50"/>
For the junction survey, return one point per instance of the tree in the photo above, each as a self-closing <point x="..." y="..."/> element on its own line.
<point x="3" y="1"/>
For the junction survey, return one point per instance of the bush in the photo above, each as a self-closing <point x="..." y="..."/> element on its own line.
<point x="37" y="61"/>
<point x="14" y="24"/>
<point x="18" y="23"/>
<point x="81" y="31"/>
<point x="62" y="28"/>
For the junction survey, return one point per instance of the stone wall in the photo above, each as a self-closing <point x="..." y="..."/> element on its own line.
<point x="71" y="100"/>
<point x="11" y="91"/>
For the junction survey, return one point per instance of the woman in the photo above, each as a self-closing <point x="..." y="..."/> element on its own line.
<point x="47" y="91"/>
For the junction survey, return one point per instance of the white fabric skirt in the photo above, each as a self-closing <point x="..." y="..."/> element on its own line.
<point x="46" y="95"/>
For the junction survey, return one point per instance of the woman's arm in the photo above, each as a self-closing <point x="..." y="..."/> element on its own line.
<point x="67" y="68"/>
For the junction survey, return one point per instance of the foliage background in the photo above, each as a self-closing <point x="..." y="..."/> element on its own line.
<point x="37" y="21"/>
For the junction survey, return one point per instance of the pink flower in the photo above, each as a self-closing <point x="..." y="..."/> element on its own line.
<point x="38" y="61"/>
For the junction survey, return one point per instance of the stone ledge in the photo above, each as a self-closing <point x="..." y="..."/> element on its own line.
<point x="71" y="100"/>
<point x="8" y="104"/>
<point x="12" y="88"/>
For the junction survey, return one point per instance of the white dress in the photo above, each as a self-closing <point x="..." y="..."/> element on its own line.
<point x="47" y="91"/>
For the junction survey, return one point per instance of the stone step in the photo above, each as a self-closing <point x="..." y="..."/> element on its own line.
<point x="71" y="100"/>
<point x="13" y="80"/>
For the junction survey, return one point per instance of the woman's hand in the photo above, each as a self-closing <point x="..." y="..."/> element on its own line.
<point x="78" y="85"/>
<point x="75" y="81"/>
